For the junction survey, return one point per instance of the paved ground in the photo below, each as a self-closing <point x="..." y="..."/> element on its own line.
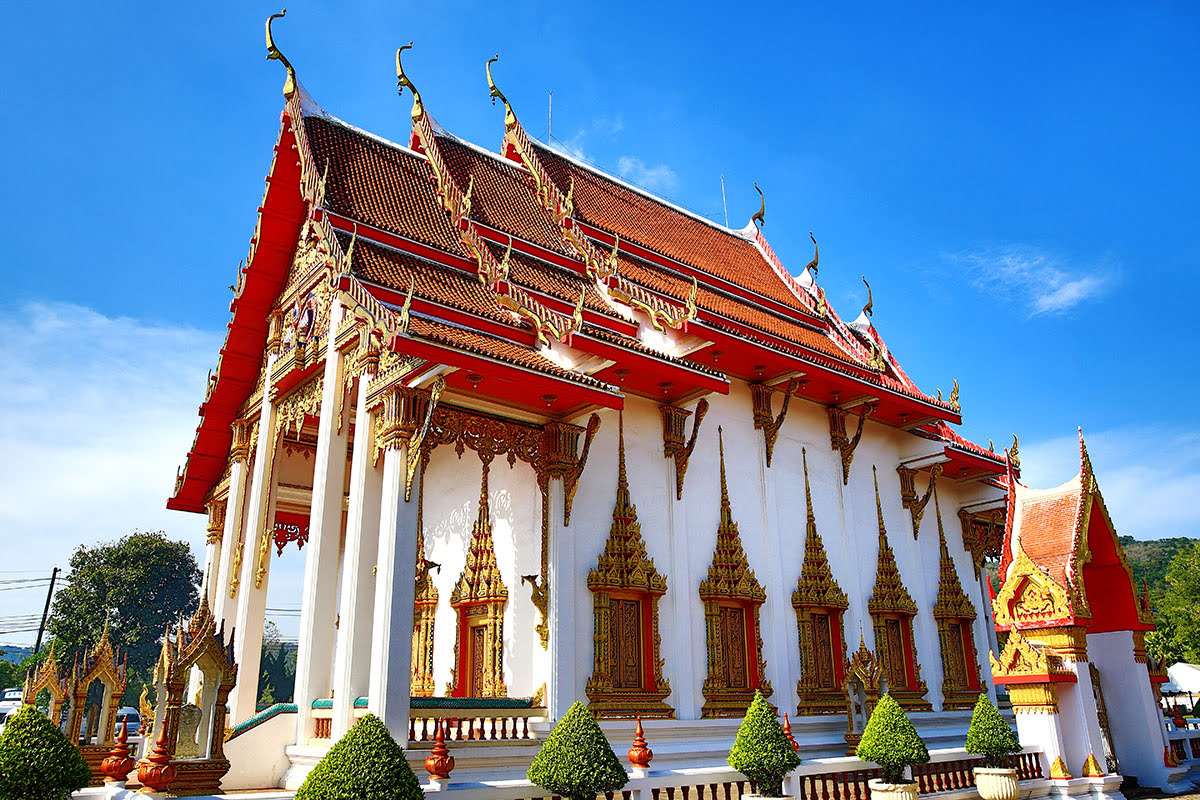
<point x="1154" y="794"/>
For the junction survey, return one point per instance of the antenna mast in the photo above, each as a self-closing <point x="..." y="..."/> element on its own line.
<point x="723" y="205"/>
<point x="550" y="117"/>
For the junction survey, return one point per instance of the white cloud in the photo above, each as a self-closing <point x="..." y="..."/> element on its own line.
<point x="659" y="177"/>
<point x="1149" y="476"/>
<point x="95" y="414"/>
<point x="571" y="146"/>
<point x="1037" y="278"/>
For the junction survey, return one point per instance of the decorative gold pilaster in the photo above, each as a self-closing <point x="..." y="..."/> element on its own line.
<point x="239" y="448"/>
<point x="425" y="603"/>
<point x="764" y="420"/>
<point x="732" y="599"/>
<point x="892" y="611"/>
<point x="627" y="678"/>
<point x="955" y="615"/>
<point x="820" y="606"/>
<point x="1033" y="698"/>
<point x="216" y="519"/>
<point x="837" y="435"/>
<point x="674" y="444"/>
<point x="479" y="598"/>
<point x="908" y="493"/>
<point x="290" y="413"/>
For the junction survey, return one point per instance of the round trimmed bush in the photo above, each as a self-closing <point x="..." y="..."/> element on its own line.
<point x="576" y="761"/>
<point x="891" y="741"/>
<point x="37" y="762"/>
<point x="761" y="750"/>
<point x="990" y="736"/>
<point x="365" y="764"/>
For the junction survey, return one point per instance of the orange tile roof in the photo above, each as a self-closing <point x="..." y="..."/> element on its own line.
<point x="613" y="207"/>
<point x="380" y="184"/>
<point x="501" y="195"/>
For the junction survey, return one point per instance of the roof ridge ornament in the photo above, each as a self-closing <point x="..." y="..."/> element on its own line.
<point x="869" y="308"/>
<point x="402" y="80"/>
<point x="761" y="216"/>
<point x="510" y="118"/>
<point x="953" y="400"/>
<point x="812" y="265"/>
<point x="274" y="54"/>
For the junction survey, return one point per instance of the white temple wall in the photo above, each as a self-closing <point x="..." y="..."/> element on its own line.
<point x="451" y="506"/>
<point x="1132" y="709"/>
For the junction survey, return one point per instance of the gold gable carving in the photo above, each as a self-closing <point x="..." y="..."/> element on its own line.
<point x="1024" y="658"/>
<point x="731" y="579"/>
<point x="1029" y="597"/>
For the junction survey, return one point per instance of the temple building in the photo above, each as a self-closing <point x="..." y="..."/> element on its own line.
<point x="544" y="437"/>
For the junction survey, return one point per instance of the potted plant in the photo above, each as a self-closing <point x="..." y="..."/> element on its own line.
<point x="37" y="761"/>
<point x="365" y="764"/>
<point x="891" y="741"/>
<point x="576" y="761"/>
<point x="762" y="751"/>
<point x="991" y="737"/>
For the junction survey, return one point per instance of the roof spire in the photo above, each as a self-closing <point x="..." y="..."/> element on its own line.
<point x="402" y="80"/>
<point x="812" y="265"/>
<point x="483" y="519"/>
<point x="624" y="506"/>
<point x="510" y="118"/>
<point x="273" y="53"/>
<point x="761" y="216"/>
<point x="812" y="519"/>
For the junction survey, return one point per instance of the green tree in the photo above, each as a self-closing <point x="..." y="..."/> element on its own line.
<point x="990" y="736"/>
<point x="365" y="764"/>
<point x="891" y="741"/>
<point x="36" y="760"/>
<point x="1180" y="608"/>
<point x="142" y="584"/>
<point x="761" y="750"/>
<point x="278" y="679"/>
<point x="576" y="761"/>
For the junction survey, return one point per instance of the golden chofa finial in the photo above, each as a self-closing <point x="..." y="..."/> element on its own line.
<point x="510" y="119"/>
<point x="869" y="308"/>
<point x="812" y="265"/>
<point x="761" y="216"/>
<point x="289" y="85"/>
<point x="402" y="80"/>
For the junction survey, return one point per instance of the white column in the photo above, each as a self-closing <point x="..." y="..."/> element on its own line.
<point x="252" y="600"/>
<point x="985" y="638"/>
<point x="212" y="558"/>
<point x="352" y="653"/>
<point x="566" y="682"/>
<point x="684" y="599"/>
<point x="391" y="663"/>
<point x="319" y="595"/>
<point x="221" y="605"/>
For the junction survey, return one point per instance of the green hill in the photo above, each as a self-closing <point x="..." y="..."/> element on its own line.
<point x="1150" y="559"/>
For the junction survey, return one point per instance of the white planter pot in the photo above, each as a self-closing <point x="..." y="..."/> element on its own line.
<point x="892" y="791"/>
<point x="996" y="784"/>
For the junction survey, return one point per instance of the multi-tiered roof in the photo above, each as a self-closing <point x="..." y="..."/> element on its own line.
<point x="551" y="286"/>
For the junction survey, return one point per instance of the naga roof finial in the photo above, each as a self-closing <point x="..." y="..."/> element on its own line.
<point x="869" y="308"/>
<point x="1014" y="454"/>
<point x="954" y="397"/>
<point x="510" y="119"/>
<point x="402" y="80"/>
<point x="761" y="216"/>
<point x="812" y="265"/>
<point x="273" y="53"/>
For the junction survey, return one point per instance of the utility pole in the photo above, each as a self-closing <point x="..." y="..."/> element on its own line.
<point x="550" y="117"/>
<point x="46" y="610"/>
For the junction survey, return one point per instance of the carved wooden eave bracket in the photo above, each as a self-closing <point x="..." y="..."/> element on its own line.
<point x="764" y="420"/>
<point x="674" y="445"/>
<point x="405" y="419"/>
<point x="838" y="439"/>
<point x="570" y="467"/>
<point x="908" y="493"/>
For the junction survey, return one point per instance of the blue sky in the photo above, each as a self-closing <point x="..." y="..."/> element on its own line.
<point x="1016" y="181"/>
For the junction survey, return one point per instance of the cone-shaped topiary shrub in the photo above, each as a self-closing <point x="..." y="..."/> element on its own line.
<point x="891" y="741"/>
<point x="37" y="762"/>
<point x="761" y="750"/>
<point x="990" y="736"/>
<point x="576" y="761"/>
<point x="365" y="764"/>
